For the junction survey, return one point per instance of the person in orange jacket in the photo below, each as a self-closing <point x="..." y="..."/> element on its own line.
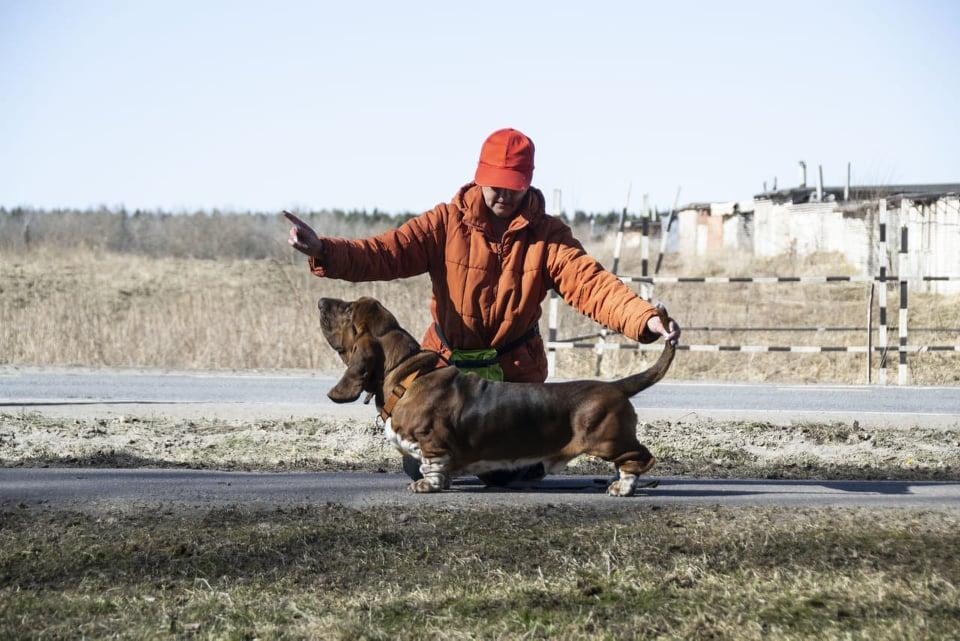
<point x="493" y="254"/>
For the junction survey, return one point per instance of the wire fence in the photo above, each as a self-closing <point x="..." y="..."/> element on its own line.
<point x="883" y="278"/>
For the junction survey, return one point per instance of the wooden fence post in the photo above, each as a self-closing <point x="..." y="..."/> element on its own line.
<point x="554" y="304"/>
<point x="882" y="374"/>
<point x="665" y="232"/>
<point x="870" y="335"/>
<point x="645" y="288"/>
<point x="617" y="248"/>
<point x="902" y="373"/>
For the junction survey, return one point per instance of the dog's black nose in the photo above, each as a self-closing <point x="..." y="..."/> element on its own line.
<point x="323" y="304"/>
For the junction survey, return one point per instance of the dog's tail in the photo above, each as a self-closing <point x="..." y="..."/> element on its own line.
<point x="638" y="382"/>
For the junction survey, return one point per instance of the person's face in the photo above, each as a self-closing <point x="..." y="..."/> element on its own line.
<point x="502" y="202"/>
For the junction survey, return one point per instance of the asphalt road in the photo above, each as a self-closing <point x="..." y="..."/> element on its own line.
<point x="175" y="393"/>
<point x="77" y="392"/>
<point x="187" y="490"/>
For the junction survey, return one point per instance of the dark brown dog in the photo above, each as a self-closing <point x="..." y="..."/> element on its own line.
<point x="460" y="423"/>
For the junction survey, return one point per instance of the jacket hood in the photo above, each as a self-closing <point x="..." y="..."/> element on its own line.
<point x="469" y="200"/>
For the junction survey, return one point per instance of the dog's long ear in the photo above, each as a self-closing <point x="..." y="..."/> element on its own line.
<point x="370" y="316"/>
<point x="365" y="360"/>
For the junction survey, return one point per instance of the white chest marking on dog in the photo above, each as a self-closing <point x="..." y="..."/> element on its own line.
<point x="405" y="446"/>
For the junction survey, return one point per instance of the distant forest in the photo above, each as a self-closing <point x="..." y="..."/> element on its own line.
<point x="199" y="234"/>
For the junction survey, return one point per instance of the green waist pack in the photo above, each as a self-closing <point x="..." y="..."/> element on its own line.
<point x="485" y="363"/>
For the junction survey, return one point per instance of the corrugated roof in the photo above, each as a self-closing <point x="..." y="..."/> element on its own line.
<point x="865" y="192"/>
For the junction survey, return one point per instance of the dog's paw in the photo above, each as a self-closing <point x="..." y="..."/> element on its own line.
<point x="423" y="486"/>
<point x="621" y="488"/>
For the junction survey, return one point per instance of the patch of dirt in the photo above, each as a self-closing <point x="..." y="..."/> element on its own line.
<point x="132" y="441"/>
<point x="803" y="450"/>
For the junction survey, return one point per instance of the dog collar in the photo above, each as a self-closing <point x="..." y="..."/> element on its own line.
<point x="396" y="394"/>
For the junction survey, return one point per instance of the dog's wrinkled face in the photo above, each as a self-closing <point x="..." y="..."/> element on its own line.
<point x="336" y="322"/>
<point x="352" y="329"/>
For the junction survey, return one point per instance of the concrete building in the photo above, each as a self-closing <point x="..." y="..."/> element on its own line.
<point x="804" y="220"/>
<point x="707" y="228"/>
<point x="796" y="221"/>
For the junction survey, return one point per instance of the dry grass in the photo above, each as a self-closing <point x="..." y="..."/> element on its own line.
<point x="553" y="572"/>
<point x="776" y="305"/>
<point x="108" y="309"/>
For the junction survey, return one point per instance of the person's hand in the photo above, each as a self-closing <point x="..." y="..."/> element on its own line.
<point x="303" y="238"/>
<point x="670" y="333"/>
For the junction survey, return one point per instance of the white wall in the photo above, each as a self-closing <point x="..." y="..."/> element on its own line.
<point x="781" y="228"/>
<point x="736" y="233"/>
<point x="687" y="224"/>
<point x="933" y="241"/>
<point x="941" y="244"/>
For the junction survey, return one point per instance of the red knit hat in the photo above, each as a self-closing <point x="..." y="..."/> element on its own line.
<point x="506" y="160"/>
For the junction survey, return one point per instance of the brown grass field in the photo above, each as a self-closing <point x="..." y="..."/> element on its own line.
<point x="95" y="307"/>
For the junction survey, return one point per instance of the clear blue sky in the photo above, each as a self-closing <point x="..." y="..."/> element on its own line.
<point x="267" y="105"/>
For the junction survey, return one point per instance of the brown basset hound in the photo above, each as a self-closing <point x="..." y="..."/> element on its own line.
<point x="455" y="422"/>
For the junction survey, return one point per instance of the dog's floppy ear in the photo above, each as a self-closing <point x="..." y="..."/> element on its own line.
<point x="370" y="316"/>
<point x="366" y="359"/>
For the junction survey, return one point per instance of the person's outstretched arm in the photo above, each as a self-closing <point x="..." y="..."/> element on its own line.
<point x="592" y="290"/>
<point x="411" y="249"/>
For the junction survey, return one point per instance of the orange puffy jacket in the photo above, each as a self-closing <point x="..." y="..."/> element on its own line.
<point x="487" y="293"/>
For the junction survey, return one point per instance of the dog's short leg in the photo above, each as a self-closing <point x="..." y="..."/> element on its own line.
<point x="435" y="476"/>
<point x="624" y="486"/>
<point x="629" y="471"/>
